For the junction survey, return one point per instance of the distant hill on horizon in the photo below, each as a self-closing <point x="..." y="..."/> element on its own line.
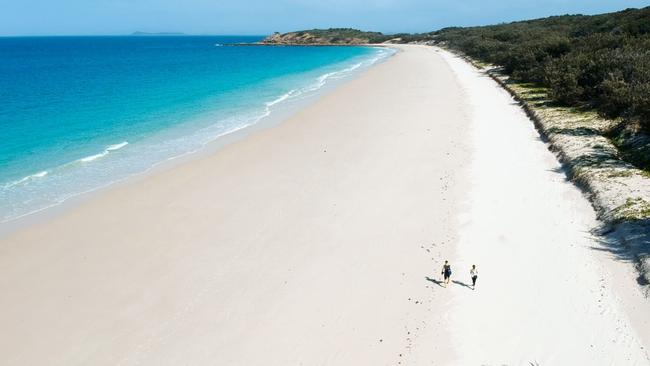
<point x="340" y="36"/>
<point x="331" y="36"/>
<point x="140" y="33"/>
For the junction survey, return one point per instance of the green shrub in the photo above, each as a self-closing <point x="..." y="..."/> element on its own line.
<point x="600" y="61"/>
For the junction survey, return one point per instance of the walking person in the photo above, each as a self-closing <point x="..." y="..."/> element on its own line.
<point x="474" y="274"/>
<point x="446" y="273"/>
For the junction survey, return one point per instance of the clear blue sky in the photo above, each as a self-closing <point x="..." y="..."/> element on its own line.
<point x="51" y="17"/>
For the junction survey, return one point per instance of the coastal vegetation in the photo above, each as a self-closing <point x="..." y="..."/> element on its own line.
<point x="343" y="36"/>
<point x="331" y="36"/>
<point x="599" y="62"/>
<point x="591" y="63"/>
<point x="585" y="82"/>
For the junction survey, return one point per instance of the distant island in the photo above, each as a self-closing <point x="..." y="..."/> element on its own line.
<point x="139" y="33"/>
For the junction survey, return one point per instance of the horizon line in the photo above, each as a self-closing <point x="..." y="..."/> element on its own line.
<point x="161" y="34"/>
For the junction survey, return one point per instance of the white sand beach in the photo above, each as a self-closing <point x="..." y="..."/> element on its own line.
<point x="319" y="242"/>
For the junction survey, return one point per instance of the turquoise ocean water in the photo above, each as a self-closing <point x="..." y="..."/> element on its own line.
<point x="79" y="113"/>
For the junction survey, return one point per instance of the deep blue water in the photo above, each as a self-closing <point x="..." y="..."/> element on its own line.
<point x="78" y="113"/>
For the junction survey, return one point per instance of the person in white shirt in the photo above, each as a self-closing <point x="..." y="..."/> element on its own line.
<point x="474" y="274"/>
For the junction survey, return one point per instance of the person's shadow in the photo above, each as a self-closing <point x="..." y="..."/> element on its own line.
<point x="439" y="283"/>
<point x="462" y="284"/>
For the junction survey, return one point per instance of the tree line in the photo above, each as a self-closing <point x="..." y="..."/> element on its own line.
<point x="599" y="61"/>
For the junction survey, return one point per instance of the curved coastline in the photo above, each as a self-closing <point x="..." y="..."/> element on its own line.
<point x="288" y="245"/>
<point x="272" y="112"/>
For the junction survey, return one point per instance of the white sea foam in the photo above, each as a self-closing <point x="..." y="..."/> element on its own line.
<point x="322" y="79"/>
<point x="90" y="158"/>
<point x="117" y="146"/>
<point x="281" y="98"/>
<point x="26" y="179"/>
<point x="106" y="151"/>
<point x="146" y="155"/>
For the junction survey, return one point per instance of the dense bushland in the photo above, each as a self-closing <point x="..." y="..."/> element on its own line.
<point x="600" y="61"/>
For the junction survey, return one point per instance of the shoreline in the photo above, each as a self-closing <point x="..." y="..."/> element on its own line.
<point x="194" y="251"/>
<point x="314" y="44"/>
<point x="320" y="240"/>
<point x="278" y="116"/>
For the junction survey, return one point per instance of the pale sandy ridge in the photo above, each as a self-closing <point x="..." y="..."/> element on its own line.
<point x="307" y="243"/>
<point x="546" y="294"/>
